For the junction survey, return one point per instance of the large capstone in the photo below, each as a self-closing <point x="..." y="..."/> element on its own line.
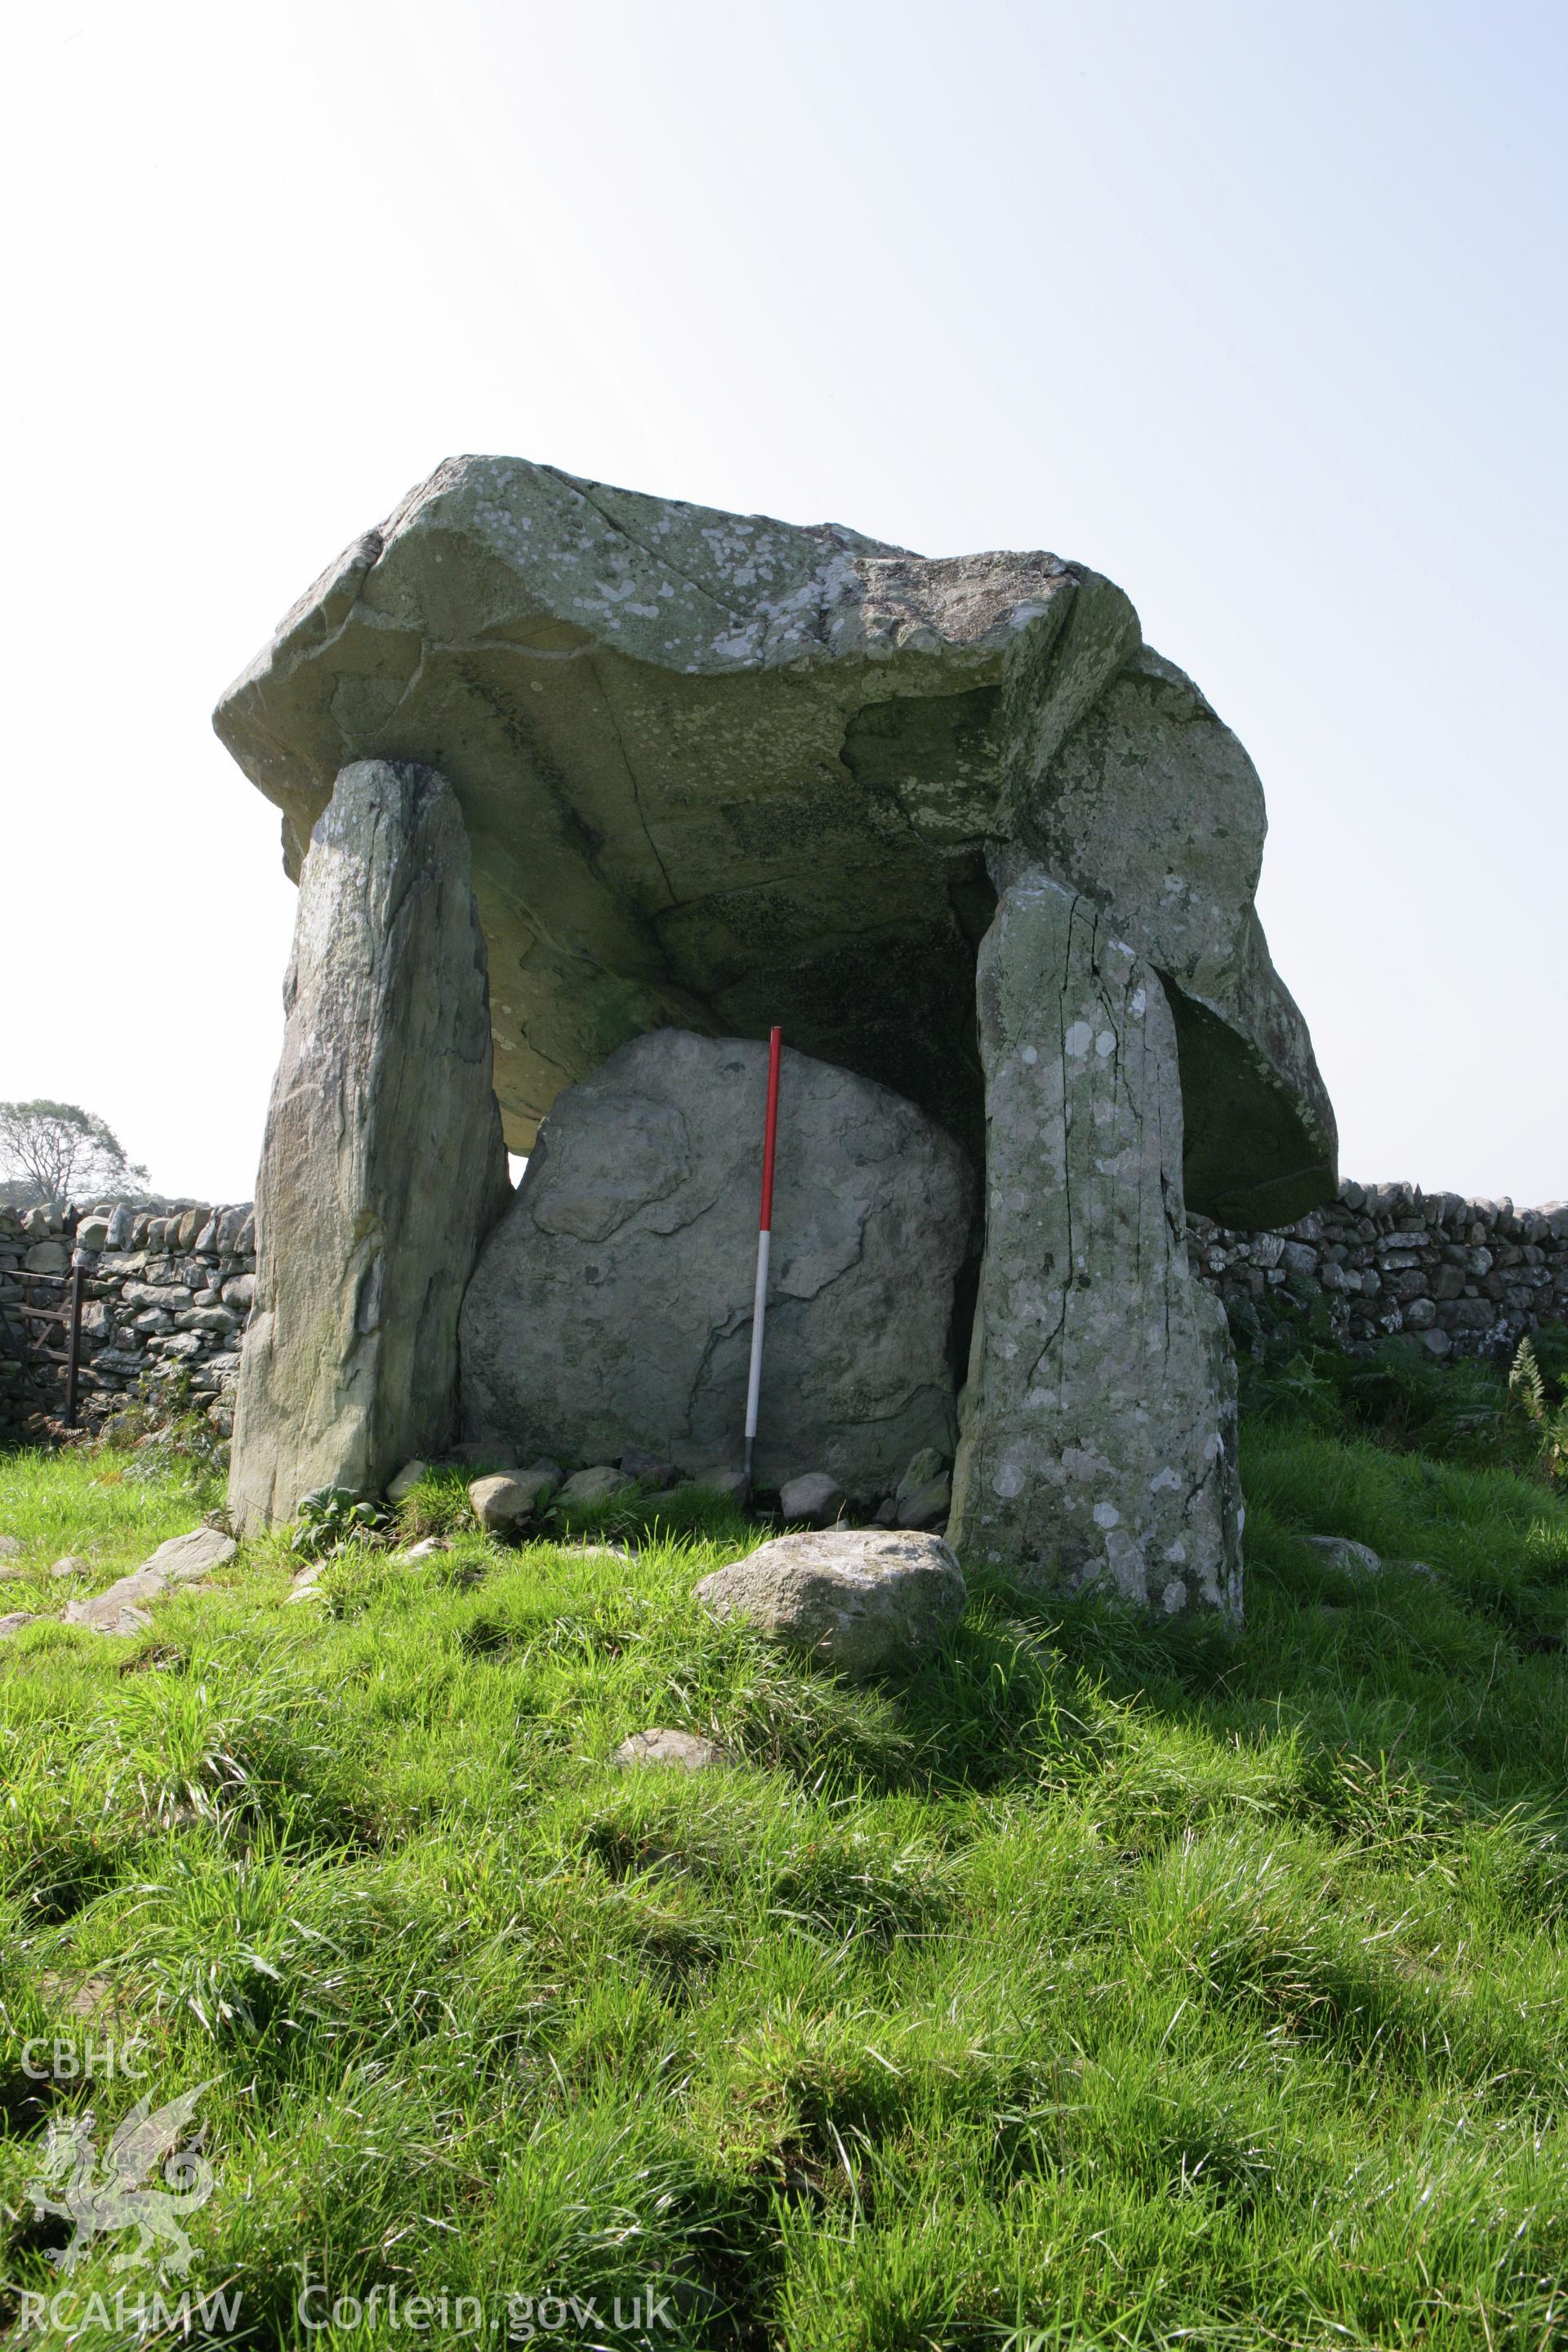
<point x="612" y="1306"/>
<point x="1099" y="1442"/>
<point x="720" y="771"/>
<point x="382" y="1167"/>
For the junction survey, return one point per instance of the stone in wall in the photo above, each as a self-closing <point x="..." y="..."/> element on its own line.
<point x="1099" y="1439"/>
<point x="382" y="1167"/>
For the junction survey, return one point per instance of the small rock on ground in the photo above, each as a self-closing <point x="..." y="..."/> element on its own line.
<point x="649" y="1470"/>
<point x="861" y="1600"/>
<point x="927" y="1466"/>
<point x="734" y="1485"/>
<point x="684" y="1749"/>
<point x="426" y="1549"/>
<point x="14" y="1622"/>
<point x="82" y="1996"/>
<point x="10" y="1548"/>
<point x="71" y="1564"/>
<point x="1353" y="1558"/>
<point x="927" y="1506"/>
<point x="813" y="1500"/>
<point x="595" y="1486"/>
<point x="408" y="1479"/>
<point x="500" y="1503"/>
<point x="109" y="1613"/>
<point x="184" y="1558"/>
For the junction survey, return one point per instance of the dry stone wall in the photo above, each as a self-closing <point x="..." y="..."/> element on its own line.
<point x="1465" y="1277"/>
<point x="159" y="1294"/>
<point x="164" y="1292"/>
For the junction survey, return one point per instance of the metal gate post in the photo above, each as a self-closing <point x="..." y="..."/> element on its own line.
<point x="73" y="1344"/>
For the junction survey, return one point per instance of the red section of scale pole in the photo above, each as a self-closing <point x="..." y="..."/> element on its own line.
<point x="765" y="1240"/>
<point x="770" y="1130"/>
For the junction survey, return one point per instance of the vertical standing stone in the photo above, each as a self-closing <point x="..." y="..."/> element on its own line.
<point x="1098" y="1441"/>
<point x="382" y="1167"/>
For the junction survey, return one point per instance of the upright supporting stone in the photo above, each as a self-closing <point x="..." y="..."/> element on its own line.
<point x="383" y="1168"/>
<point x="1098" y="1439"/>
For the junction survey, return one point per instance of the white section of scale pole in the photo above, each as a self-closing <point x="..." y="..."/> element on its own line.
<point x="759" y="1310"/>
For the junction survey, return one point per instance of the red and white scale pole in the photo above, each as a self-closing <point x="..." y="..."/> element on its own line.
<point x="764" y="1242"/>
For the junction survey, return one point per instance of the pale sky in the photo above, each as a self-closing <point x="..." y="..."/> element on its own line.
<point x="1257" y="308"/>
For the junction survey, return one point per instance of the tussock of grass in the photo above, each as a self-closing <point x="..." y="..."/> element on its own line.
<point x="1110" y="1982"/>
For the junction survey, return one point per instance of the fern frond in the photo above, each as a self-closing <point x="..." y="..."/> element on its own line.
<point x="1525" y="1382"/>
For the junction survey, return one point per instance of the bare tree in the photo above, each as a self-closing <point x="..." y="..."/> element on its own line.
<point x="65" y="1151"/>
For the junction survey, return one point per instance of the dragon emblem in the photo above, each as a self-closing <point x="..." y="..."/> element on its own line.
<point x="97" y="2202"/>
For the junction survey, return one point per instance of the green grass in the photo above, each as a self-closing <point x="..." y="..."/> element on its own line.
<point x="1110" y="1983"/>
<point x="103" y="1510"/>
